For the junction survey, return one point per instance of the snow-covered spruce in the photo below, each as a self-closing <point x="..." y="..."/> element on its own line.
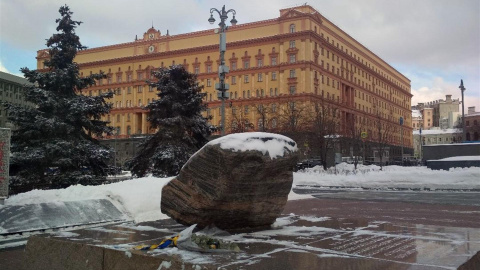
<point x="177" y="115"/>
<point x="53" y="144"/>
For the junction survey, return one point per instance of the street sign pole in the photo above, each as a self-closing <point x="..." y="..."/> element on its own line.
<point x="401" y="134"/>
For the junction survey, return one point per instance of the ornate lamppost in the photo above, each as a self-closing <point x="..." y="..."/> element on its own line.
<point x="222" y="87"/>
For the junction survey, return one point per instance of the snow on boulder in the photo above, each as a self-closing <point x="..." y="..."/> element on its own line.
<point x="237" y="181"/>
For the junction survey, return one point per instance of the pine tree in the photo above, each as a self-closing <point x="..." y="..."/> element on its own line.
<point x="52" y="145"/>
<point x="182" y="130"/>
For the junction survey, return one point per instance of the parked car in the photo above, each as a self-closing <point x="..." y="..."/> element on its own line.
<point x="308" y="163"/>
<point x="351" y="160"/>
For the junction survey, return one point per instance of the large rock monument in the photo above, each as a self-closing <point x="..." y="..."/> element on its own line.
<point x="235" y="182"/>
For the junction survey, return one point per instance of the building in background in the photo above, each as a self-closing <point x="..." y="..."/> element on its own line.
<point x="443" y="114"/>
<point x="472" y="125"/>
<point x="435" y="136"/>
<point x="417" y="119"/>
<point x="299" y="58"/>
<point x="11" y="88"/>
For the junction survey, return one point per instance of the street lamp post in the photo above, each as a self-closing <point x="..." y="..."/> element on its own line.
<point x="421" y="145"/>
<point x="222" y="87"/>
<point x="464" y="137"/>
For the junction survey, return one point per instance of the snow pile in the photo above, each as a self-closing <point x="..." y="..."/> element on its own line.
<point x="273" y="144"/>
<point x="460" y="158"/>
<point x="344" y="175"/>
<point x="138" y="198"/>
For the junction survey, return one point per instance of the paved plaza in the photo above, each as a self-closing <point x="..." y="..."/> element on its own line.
<point x="333" y="230"/>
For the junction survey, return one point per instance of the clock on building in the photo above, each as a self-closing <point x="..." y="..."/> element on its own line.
<point x="151" y="48"/>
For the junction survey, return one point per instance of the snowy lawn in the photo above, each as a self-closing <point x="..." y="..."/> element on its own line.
<point x="137" y="198"/>
<point x="140" y="198"/>
<point x="390" y="177"/>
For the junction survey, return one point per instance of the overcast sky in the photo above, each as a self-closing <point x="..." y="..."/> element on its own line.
<point x="435" y="43"/>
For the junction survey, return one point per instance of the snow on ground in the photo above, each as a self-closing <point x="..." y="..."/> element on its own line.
<point x="137" y="198"/>
<point x="140" y="198"/>
<point x="390" y="177"/>
<point x="460" y="158"/>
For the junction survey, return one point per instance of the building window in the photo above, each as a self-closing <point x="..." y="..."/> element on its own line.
<point x="246" y="64"/>
<point x="197" y="70"/>
<point x="292" y="73"/>
<point x="246" y="79"/>
<point x="209" y="68"/>
<point x="234" y="65"/>
<point x="292" y="58"/>
<point x="271" y="91"/>
<point x="260" y="77"/>
<point x="118" y="117"/>
<point x="209" y="82"/>
<point x="150" y="88"/>
<point x="246" y="109"/>
<point x="292" y="28"/>
<point x="140" y="89"/>
<point x="274" y="76"/>
<point x="274" y="123"/>
<point x="260" y="63"/>
<point x="234" y="80"/>
<point x="119" y="78"/>
<point x="248" y="93"/>
<point x="292" y="89"/>
<point x="129" y="90"/>
<point x="129" y="130"/>
<point x="274" y="107"/>
<point x="292" y="43"/>
<point x="274" y="61"/>
<point x="276" y="91"/>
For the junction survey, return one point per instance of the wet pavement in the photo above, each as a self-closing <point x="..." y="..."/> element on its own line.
<point x="430" y="197"/>
<point x="360" y="232"/>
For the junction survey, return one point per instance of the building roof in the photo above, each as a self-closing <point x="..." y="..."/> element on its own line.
<point x="416" y="114"/>
<point x="472" y="114"/>
<point x="12" y="78"/>
<point x="438" y="131"/>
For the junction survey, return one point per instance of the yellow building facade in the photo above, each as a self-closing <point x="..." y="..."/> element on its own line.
<point x="299" y="56"/>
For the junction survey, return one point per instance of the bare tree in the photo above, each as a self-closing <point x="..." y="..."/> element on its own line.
<point x="324" y="127"/>
<point x="293" y="116"/>
<point x="264" y="113"/>
<point x="354" y="140"/>
<point x="384" y="132"/>
<point x="238" y="121"/>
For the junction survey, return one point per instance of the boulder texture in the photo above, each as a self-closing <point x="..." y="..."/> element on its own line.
<point x="235" y="182"/>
